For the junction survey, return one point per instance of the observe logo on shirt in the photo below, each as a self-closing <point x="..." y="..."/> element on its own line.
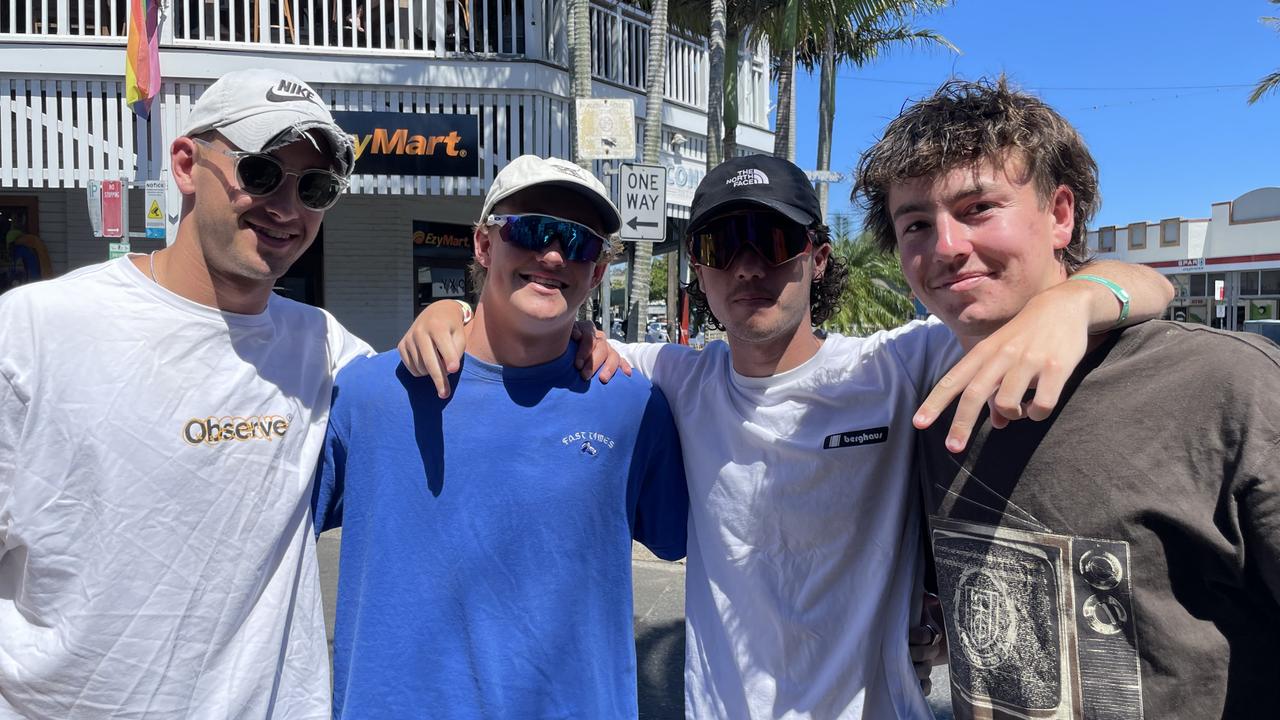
<point x="587" y="443"/>
<point x="869" y="436"/>
<point x="214" y="430"/>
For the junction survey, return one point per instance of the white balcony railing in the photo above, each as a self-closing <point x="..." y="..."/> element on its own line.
<point x="482" y="29"/>
<point x="90" y="19"/>
<point x="620" y="51"/>
<point x="434" y="28"/>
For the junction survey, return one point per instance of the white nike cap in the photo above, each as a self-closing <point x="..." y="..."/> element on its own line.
<point x="527" y="171"/>
<point x="261" y="110"/>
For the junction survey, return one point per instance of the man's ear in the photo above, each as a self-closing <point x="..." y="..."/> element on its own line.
<point x="480" y="239"/>
<point x="1063" y="207"/>
<point x="182" y="163"/>
<point x="697" y="273"/>
<point x="597" y="274"/>
<point x="820" y="255"/>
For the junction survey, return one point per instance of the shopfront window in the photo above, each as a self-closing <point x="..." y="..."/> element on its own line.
<point x="441" y="253"/>
<point x="1249" y="282"/>
<point x="1198" y="286"/>
<point x="1270" y="282"/>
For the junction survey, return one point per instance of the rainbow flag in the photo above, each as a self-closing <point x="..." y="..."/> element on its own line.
<point x="142" y="59"/>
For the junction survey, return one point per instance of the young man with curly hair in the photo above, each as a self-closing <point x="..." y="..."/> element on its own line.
<point x="1122" y="558"/>
<point x="805" y="556"/>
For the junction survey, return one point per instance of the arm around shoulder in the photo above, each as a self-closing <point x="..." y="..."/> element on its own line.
<point x="661" y="517"/>
<point x="1122" y="294"/>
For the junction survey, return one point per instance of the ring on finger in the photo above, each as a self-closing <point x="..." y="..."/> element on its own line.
<point x="934" y="635"/>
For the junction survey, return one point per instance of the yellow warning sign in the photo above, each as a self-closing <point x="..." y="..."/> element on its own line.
<point x="154" y="212"/>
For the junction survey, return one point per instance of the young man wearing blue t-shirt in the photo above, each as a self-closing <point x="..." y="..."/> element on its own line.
<point x="486" y="554"/>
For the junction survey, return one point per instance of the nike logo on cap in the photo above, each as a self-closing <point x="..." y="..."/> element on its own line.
<point x="288" y="91"/>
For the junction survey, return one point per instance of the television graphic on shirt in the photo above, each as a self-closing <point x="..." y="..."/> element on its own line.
<point x="1040" y="626"/>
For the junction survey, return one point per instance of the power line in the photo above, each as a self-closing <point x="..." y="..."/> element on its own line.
<point x="1065" y="88"/>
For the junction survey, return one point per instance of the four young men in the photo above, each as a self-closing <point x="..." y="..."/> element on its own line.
<point x="175" y="578"/>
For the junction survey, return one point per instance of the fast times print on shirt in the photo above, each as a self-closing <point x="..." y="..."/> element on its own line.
<point x="1040" y="626"/>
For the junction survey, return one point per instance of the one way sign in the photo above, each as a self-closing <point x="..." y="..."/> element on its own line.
<point x="644" y="202"/>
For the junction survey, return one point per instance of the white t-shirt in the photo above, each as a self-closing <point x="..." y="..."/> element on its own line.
<point x="156" y="461"/>
<point x="804" y="536"/>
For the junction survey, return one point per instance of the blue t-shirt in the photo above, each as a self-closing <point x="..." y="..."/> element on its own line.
<point x="486" y="543"/>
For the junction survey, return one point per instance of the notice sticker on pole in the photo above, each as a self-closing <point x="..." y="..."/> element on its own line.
<point x="154" y="203"/>
<point x="94" y="194"/>
<point x="112" y="203"/>
<point x="606" y="129"/>
<point x="644" y="202"/>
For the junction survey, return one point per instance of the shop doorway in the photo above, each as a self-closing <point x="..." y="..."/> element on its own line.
<point x="304" y="281"/>
<point x="23" y="256"/>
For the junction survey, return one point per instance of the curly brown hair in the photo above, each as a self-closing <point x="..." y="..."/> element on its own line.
<point x="824" y="292"/>
<point x="964" y="123"/>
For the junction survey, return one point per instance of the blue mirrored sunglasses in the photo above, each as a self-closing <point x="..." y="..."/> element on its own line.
<point x="536" y="232"/>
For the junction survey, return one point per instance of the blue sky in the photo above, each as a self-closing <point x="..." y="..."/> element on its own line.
<point x="1110" y="68"/>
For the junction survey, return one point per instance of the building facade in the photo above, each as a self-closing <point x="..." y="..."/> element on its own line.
<point x="401" y="76"/>
<point x="1225" y="269"/>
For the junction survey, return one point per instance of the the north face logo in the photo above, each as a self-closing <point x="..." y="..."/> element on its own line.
<point x="748" y="177"/>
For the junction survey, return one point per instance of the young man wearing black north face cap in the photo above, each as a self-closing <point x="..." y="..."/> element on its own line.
<point x="805" y="545"/>
<point x="160" y="419"/>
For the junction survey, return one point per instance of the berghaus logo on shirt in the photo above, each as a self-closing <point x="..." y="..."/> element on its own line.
<point x="216" y="430"/>
<point x="851" y="438"/>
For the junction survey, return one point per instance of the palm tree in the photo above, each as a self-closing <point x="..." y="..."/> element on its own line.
<point x="655" y="87"/>
<point x="875" y="296"/>
<point x="787" y="34"/>
<point x="875" y="26"/>
<point x="580" y="76"/>
<point x="579" y="66"/>
<point x="1268" y="84"/>
<point x="741" y="25"/>
<point x="715" y="82"/>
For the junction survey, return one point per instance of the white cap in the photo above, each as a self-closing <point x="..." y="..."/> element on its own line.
<point x="261" y="110"/>
<point x="529" y="170"/>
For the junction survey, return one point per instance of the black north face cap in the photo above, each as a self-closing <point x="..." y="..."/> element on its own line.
<point x="759" y="180"/>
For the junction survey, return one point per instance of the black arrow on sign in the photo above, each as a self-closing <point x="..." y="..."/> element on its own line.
<point x="634" y="223"/>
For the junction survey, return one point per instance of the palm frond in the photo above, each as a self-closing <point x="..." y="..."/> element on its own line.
<point x="1265" y="86"/>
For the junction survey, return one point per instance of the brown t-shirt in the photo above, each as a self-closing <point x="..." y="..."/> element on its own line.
<point x="1121" y="559"/>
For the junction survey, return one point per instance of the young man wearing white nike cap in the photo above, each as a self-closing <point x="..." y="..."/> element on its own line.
<point x="160" y="420"/>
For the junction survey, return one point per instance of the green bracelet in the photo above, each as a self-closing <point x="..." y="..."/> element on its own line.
<point x="1116" y="290"/>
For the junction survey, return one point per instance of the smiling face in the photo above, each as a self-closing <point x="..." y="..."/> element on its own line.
<point x="977" y="243"/>
<point x="758" y="302"/>
<point x="246" y="238"/>
<point x="540" y="291"/>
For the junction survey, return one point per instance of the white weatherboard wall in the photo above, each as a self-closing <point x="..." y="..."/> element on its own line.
<point x="368" y="259"/>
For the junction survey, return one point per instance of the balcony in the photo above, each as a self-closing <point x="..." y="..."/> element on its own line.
<point x="503" y="30"/>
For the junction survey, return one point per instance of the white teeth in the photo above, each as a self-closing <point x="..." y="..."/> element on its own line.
<point x="545" y="282"/>
<point x="272" y="233"/>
